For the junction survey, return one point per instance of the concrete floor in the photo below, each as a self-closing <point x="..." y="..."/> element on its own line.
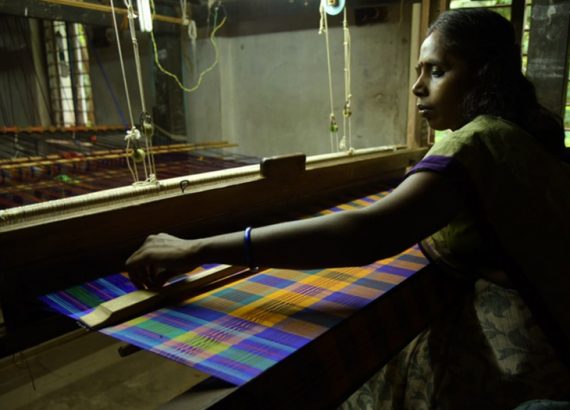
<point x="83" y="370"/>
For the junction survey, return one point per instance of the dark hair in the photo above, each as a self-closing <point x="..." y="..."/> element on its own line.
<point x="486" y="41"/>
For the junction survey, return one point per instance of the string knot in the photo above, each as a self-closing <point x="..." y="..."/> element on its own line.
<point x="133" y="135"/>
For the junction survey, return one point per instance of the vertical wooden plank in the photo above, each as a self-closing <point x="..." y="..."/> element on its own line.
<point x="414" y="126"/>
<point x="41" y="70"/>
<point x="517" y="18"/>
<point x="420" y="24"/>
<point x="548" y="52"/>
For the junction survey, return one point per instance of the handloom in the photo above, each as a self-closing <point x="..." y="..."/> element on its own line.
<point x="238" y="331"/>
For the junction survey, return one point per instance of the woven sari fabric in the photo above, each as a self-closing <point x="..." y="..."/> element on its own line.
<point x="521" y="193"/>
<point x="237" y="331"/>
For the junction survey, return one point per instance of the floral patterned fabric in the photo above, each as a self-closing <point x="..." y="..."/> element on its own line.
<point x="489" y="354"/>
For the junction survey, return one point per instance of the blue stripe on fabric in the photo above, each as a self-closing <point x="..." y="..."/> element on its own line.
<point x="113" y="287"/>
<point x="279" y="336"/>
<point x="347" y="300"/>
<point x="272" y="281"/>
<point x="59" y="304"/>
<point x="198" y="311"/>
<point x="396" y="270"/>
<point x="374" y="284"/>
<point x="236" y="295"/>
<point x="413" y="258"/>
<point x="264" y="347"/>
<point x="121" y="282"/>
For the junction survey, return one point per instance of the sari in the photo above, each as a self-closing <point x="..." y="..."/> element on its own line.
<point x="507" y="342"/>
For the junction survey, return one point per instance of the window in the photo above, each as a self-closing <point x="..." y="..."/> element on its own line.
<point x="68" y="74"/>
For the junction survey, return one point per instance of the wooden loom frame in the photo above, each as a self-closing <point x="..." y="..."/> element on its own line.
<point x="99" y="233"/>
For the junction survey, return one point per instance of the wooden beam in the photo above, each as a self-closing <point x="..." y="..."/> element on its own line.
<point x="72" y="11"/>
<point x="548" y="52"/>
<point x="216" y="204"/>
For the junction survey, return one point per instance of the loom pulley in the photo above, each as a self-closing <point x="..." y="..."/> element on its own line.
<point x="333" y="7"/>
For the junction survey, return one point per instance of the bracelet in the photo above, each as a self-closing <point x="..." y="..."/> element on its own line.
<point x="248" y="251"/>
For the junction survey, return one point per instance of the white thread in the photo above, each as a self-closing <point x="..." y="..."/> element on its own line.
<point x="148" y="160"/>
<point x="333" y="127"/>
<point x="184" y="11"/>
<point x="347" y="110"/>
<point x="134" y="174"/>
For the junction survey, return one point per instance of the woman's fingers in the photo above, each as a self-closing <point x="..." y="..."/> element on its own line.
<point x="157" y="260"/>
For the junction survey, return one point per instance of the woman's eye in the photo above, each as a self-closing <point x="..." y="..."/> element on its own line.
<point x="437" y="72"/>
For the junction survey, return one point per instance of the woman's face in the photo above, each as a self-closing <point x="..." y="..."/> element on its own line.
<point x="443" y="81"/>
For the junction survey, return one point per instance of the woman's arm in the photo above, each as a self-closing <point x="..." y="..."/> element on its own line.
<point x="421" y="205"/>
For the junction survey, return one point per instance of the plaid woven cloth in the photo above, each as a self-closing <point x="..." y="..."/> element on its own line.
<point x="238" y="331"/>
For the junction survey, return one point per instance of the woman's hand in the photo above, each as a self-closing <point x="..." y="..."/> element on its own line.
<point x="160" y="257"/>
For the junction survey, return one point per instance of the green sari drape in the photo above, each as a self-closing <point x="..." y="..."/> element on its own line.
<point x="518" y="218"/>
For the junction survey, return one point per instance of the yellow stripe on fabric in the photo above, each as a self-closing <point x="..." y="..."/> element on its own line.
<point x="331" y="285"/>
<point x="267" y="311"/>
<point x="215" y="299"/>
<point x="283" y="303"/>
<point x="362" y="202"/>
<point x="201" y="346"/>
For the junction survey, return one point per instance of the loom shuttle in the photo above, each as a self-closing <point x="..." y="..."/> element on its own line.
<point x="139" y="302"/>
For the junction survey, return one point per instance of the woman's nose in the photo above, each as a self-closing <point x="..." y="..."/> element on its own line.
<point x="418" y="88"/>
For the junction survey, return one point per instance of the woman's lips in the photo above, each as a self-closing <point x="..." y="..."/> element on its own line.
<point x="424" y="110"/>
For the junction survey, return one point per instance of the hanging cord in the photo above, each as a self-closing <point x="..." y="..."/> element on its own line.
<point x="192" y="32"/>
<point x="133" y="132"/>
<point x="333" y="126"/>
<point x="207" y="70"/>
<point x="146" y="120"/>
<point x="125" y="83"/>
<point x="346" y="141"/>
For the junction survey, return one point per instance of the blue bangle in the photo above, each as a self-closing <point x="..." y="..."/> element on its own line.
<point x="248" y="251"/>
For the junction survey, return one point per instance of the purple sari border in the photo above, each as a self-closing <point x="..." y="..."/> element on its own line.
<point x="435" y="163"/>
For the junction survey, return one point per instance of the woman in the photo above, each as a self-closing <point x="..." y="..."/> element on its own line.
<point x="488" y="203"/>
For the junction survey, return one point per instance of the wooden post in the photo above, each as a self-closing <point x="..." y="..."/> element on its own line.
<point x="548" y="52"/>
<point x="517" y="18"/>
<point x="420" y="14"/>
